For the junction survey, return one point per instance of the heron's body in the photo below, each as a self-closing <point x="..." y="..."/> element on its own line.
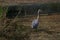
<point x="35" y="22"/>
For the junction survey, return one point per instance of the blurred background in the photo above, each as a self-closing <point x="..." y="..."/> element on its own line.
<point x="16" y="19"/>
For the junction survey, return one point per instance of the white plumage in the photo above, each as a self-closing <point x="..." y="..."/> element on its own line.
<point x="35" y="22"/>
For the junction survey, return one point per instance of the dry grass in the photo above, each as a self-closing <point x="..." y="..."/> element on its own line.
<point x="49" y="29"/>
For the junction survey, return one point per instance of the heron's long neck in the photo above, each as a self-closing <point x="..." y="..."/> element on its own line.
<point x="38" y="16"/>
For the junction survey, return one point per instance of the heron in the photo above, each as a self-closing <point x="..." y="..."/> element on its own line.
<point x="35" y="22"/>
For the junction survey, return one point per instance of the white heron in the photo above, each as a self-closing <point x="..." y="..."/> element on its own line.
<point x="35" y="22"/>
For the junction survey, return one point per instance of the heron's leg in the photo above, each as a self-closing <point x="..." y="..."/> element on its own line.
<point x="35" y="29"/>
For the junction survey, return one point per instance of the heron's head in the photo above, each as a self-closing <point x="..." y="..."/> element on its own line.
<point x="39" y="10"/>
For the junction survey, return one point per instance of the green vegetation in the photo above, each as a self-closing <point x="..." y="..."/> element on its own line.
<point x="54" y="7"/>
